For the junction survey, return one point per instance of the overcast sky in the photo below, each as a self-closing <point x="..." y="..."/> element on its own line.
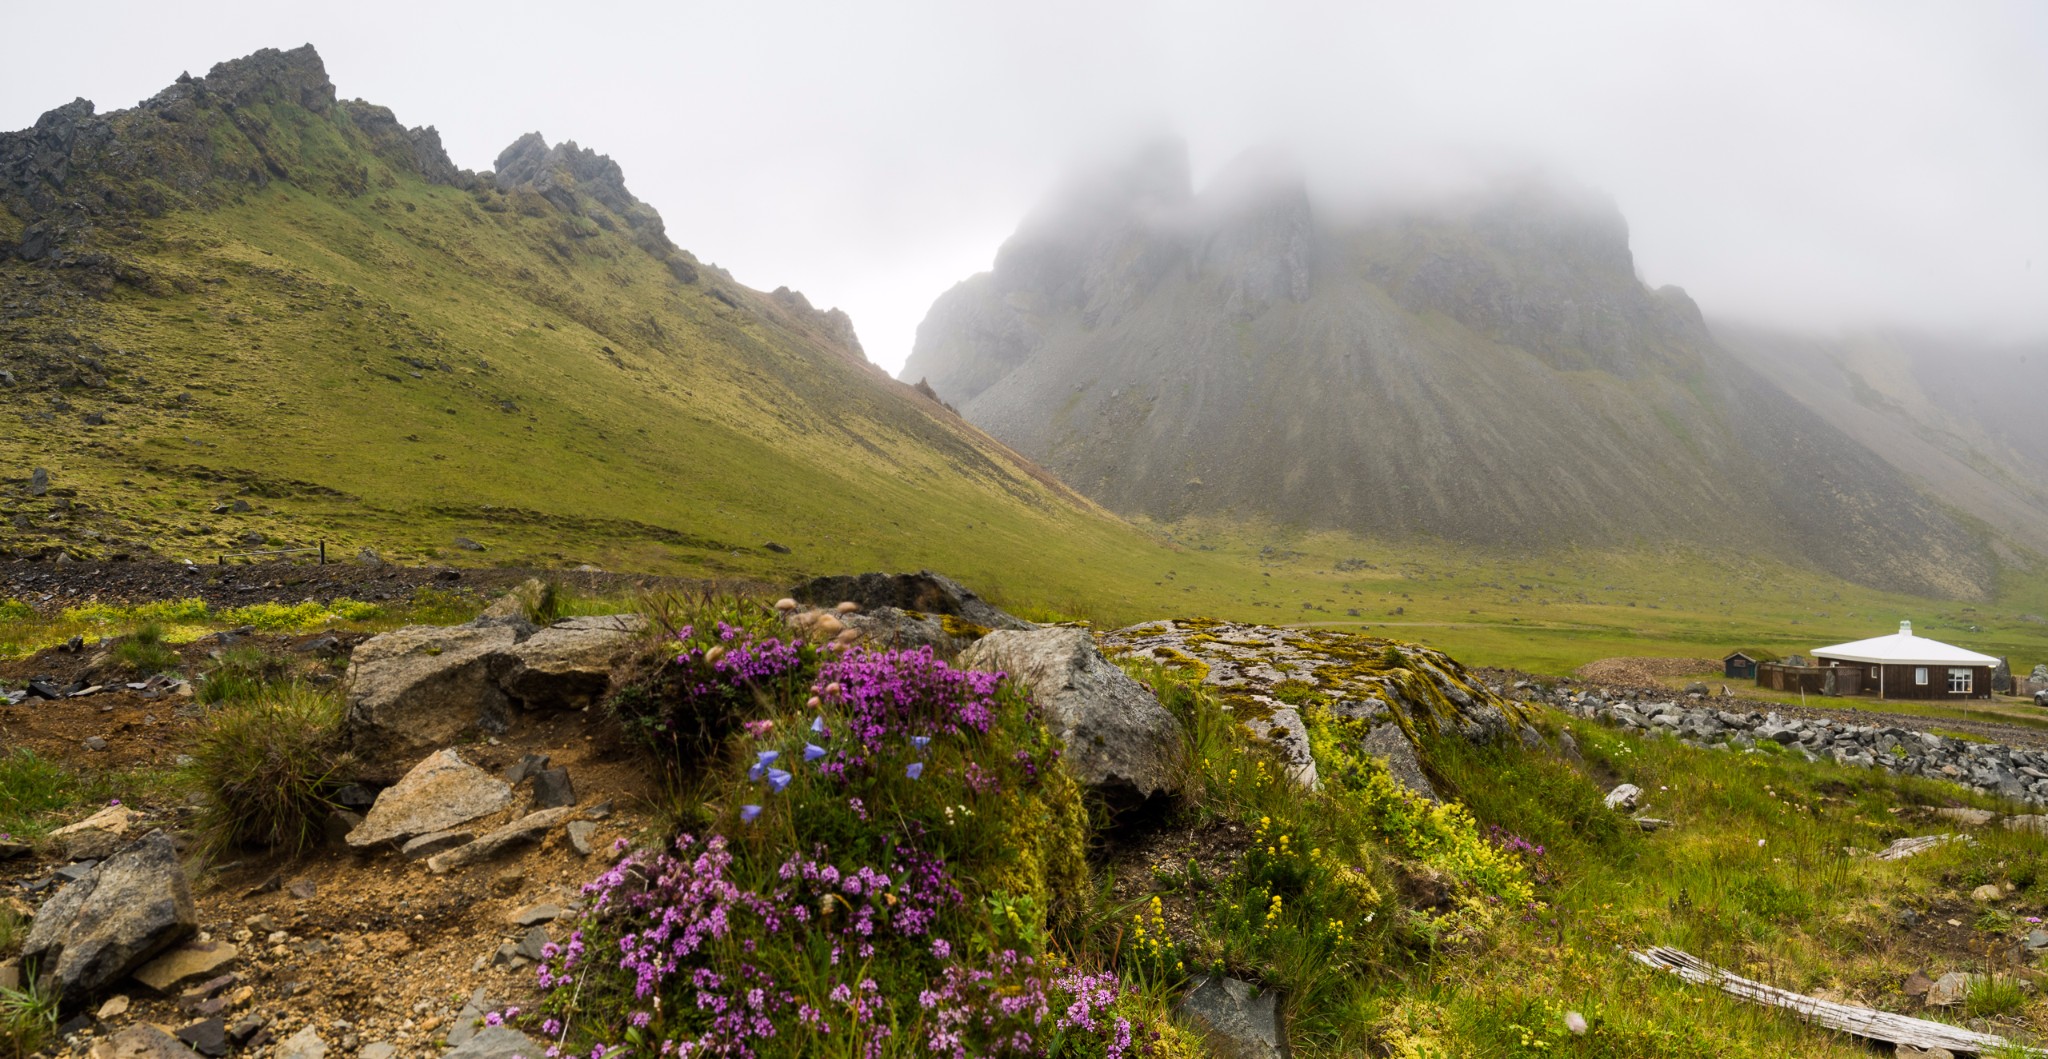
<point x="1820" y="164"/>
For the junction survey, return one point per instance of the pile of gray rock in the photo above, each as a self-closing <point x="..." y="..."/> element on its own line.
<point x="1988" y="768"/>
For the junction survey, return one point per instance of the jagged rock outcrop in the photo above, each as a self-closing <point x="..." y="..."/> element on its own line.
<point x="1490" y="371"/>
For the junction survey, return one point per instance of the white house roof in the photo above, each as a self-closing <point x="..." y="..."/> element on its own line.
<point x="1904" y="648"/>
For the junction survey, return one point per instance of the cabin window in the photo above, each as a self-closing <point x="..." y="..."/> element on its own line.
<point x="1959" y="681"/>
<point x="1873" y="672"/>
<point x="1920" y="676"/>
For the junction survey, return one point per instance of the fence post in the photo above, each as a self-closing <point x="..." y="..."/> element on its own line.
<point x="323" y="553"/>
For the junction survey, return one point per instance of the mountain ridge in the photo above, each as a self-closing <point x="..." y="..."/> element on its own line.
<point x="248" y="314"/>
<point x="1493" y="373"/>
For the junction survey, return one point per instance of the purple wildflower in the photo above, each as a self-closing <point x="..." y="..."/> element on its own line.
<point x="748" y="813"/>
<point x="915" y="770"/>
<point x="777" y="780"/>
<point x="813" y="751"/>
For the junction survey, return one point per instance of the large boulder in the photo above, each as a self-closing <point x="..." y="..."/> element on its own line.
<point x="569" y="664"/>
<point x="923" y="593"/>
<point x="98" y="930"/>
<point x="436" y="795"/>
<point x="2038" y="679"/>
<point x="414" y="690"/>
<point x="1118" y="737"/>
<point x="1236" y="1020"/>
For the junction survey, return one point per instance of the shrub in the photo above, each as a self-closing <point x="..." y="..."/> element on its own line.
<point x="265" y="767"/>
<point x="882" y="866"/>
<point x="145" y="653"/>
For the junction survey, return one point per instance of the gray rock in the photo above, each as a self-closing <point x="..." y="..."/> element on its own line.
<point x="1391" y="745"/>
<point x="2038" y="679"/>
<point x="439" y="793"/>
<point x="1236" y="1020"/>
<point x="385" y="1050"/>
<point x="476" y="1007"/>
<point x="923" y="592"/>
<point x="533" y="944"/>
<point x="1117" y="735"/>
<point x="141" y="1041"/>
<point x="535" y="915"/>
<point x="497" y="1042"/>
<point x="2036" y="940"/>
<point x="305" y="1044"/>
<point x="580" y="834"/>
<point x="466" y="544"/>
<point x="434" y="842"/>
<point x="569" y="664"/>
<point x="552" y="789"/>
<point x="369" y="557"/>
<point x="208" y="1037"/>
<point x="414" y="690"/>
<point x="1623" y="799"/>
<point x="1967" y="817"/>
<point x="38" y="482"/>
<point x="527" y="829"/>
<point x="99" y="929"/>
<point x="1948" y="990"/>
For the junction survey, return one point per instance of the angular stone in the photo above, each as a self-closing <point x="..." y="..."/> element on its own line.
<point x="552" y="789"/>
<point x="1948" y="990"/>
<point x="417" y="689"/>
<point x="436" y="795"/>
<point x="530" y="828"/>
<point x="190" y="962"/>
<point x="1235" y="1020"/>
<point x="97" y="930"/>
<point x="385" y="1050"/>
<point x="569" y="664"/>
<point x="497" y="1042"/>
<point x="534" y="915"/>
<point x="1987" y="893"/>
<point x="429" y="844"/>
<point x="97" y="836"/>
<point x="141" y="1041"/>
<point x="1390" y="744"/>
<point x="923" y="592"/>
<point x="208" y="1037"/>
<point x="1118" y="736"/>
<point x="580" y="834"/>
<point x="1623" y="799"/>
<point x="305" y="1044"/>
<point x="533" y="946"/>
<point x="1967" y="817"/>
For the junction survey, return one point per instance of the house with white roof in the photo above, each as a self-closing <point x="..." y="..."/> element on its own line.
<point x="1905" y="666"/>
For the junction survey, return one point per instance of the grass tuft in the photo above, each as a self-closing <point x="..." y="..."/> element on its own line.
<point x="28" y="1021"/>
<point x="145" y="653"/>
<point x="265" y="767"/>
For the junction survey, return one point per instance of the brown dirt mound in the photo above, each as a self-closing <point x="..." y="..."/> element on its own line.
<point x="1644" y="670"/>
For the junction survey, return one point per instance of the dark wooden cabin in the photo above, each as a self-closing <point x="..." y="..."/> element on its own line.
<point x="1738" y="666"/>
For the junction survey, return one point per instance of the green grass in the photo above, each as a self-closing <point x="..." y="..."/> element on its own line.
<point x="145" y="653"/>
<point x="1756" y="876"/>
<point x="36" y="793"/>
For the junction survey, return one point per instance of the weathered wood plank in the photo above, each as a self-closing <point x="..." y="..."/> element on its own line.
<point x="1848" y="1018"/>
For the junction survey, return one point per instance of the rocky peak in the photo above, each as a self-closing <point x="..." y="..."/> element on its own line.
<point x="1257" y="232"/>
<point x="1130" y="197"/>
<point x="271" y="76"/>
<point x="565" y="174"/>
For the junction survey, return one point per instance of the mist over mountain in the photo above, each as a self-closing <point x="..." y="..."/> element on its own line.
<point x="1490" y="371"/>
